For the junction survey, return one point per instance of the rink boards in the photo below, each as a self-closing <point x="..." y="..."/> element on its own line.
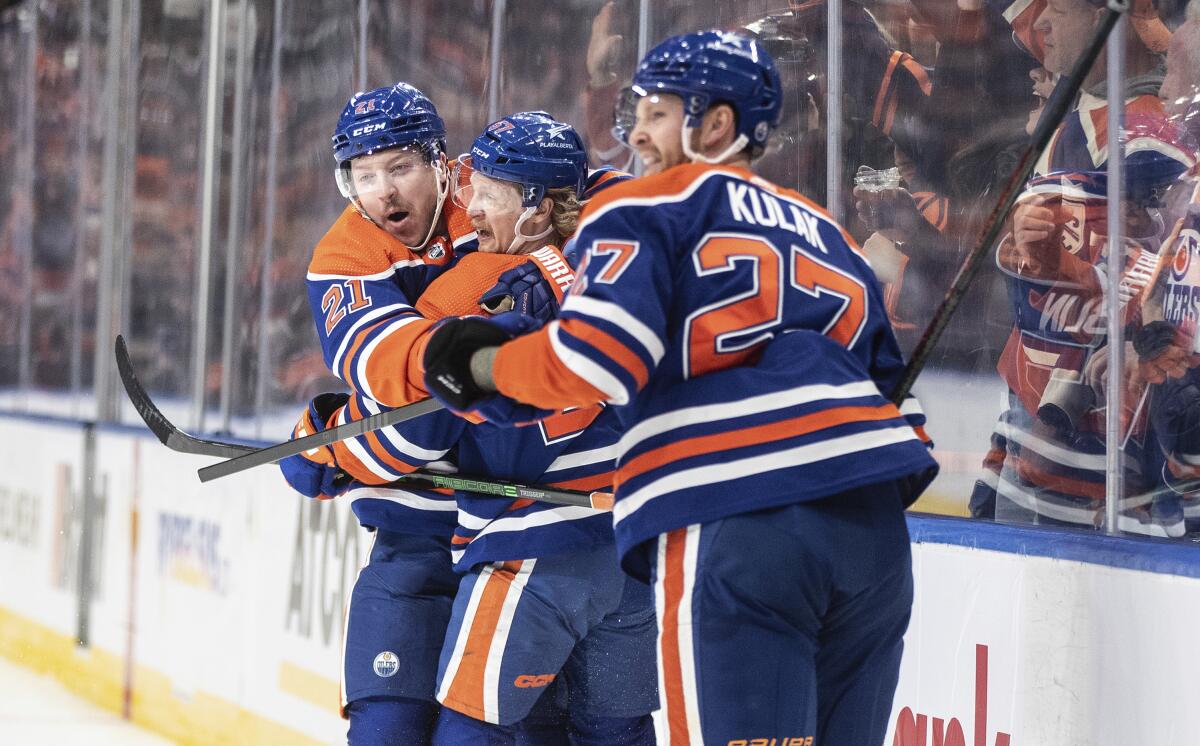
<point x="216" y="615"/>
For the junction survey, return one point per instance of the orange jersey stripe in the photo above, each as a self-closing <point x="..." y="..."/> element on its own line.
<point x="550" y="385"/>
<point x="609" y="345"/>
<point x="466" y="691"/>
<point x="673" y="582"/>
<point x="884" y="85"/>
<point x="750" y="436"/>
<point x="395" y="370"/>
<point x="1039" y="477"/>
<point x="353" y="349"/>
<point x="674" y="181"/>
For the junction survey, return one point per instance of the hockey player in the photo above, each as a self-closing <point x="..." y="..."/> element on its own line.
<point x="762" y="483"/>
<point x="364" y="280"/>
<point x="368" y="269"/>
<point x="577" y="612"/>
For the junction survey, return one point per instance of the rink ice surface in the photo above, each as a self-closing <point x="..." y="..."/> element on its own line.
<point x="36" y="709"/>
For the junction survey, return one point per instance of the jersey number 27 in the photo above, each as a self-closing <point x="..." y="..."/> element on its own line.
<point x="728" y="331"/>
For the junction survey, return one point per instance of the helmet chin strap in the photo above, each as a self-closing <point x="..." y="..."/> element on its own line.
<point x="739" y="143"/>
<point x="520" y="239"/>
<point x="443" y="188"/>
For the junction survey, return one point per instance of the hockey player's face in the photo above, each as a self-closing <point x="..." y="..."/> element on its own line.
<point x="397" y="190"/>
<point x="493" y="207"/>
<point x="657" y="132"/>
<point x="1066" y="26"/>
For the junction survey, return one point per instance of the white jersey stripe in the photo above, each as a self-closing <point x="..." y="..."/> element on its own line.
<point x="464" y="239"/>
<point x="402" y="264"/>
<point x="366" y="457"/>
<point x="662" y="731"/>
<point x="725" y="472"/>
<point x="695" y="185"/>
<point x="360" y="371"/>
<point x="687" y="650"/>
<point x="614" y="314"/>
<point x="401" y="443"/>
<point x="464" y="633"/>
<point x="588" y="370"/>
<point x="402" y="497"/>
<point x="533" y="520"/>
<point x="1050" y="451"/>
<point x="363" y="321"/>
<point x="583" y="458"/>
<point x="495" y="659"/>
<point x="742" y="408"/>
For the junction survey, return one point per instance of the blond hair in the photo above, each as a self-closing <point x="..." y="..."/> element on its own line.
<point x="564" y="213"/>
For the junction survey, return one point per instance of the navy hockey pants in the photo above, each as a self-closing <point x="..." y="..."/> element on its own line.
<point x="783" y="624"/>
<point x="395" y="625"/>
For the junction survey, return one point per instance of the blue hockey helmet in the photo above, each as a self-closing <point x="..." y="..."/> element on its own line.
<point x="535" y="151"/>
<point x="1158" y="153"/>
<point x="705" y="68"/>
<point x="389" y="117"/>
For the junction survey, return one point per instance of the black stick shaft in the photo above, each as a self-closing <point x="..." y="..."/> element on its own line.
<point x="1057" y="107"/>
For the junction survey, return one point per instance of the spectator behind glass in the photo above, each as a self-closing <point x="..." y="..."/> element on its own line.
<point x="1052" y="471"/>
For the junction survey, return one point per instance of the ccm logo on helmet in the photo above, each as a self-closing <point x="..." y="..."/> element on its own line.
<point x="367" y="129"/>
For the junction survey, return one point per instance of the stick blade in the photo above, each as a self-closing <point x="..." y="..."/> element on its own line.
<point x="154" y="419"/>
<point x="166" y="432"/>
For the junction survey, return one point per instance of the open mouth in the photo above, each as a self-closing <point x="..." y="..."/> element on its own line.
<point x="397" y="217"/>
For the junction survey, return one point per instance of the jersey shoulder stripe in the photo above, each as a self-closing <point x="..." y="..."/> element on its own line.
<point x="681" y="183"/>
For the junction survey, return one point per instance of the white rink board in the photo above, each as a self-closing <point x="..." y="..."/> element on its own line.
<point x="40" y="491"/>
<point x="239" y="593"/>
<point x="240" y="584"/>
<point x="1048" y="650"/>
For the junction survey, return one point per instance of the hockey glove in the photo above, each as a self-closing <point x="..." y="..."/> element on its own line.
<point x="448" y="371"/>
<point x="315" y="473"/>
<point x="525" y="290"/>
<point x="1160" y="350"/>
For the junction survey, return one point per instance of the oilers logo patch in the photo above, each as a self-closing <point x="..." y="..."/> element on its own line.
<point x="386" y="664"/>
<point x="1189" y="243"/>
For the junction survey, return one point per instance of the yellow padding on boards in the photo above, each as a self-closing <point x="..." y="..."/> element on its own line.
<point x="97" y="676"/>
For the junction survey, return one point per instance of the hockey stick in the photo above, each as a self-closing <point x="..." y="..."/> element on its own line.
<point x="243" y="460"/>
<point x="1057" y="107"/>
<point x="178" y="440"/>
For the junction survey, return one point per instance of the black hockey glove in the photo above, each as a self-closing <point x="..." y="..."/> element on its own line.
<point x="448" y="360"/>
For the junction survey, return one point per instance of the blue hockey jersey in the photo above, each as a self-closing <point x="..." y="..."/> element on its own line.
<point x="747" y="335"/>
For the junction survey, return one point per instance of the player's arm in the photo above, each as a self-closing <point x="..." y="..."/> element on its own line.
<point x="611" y="332"/>
<point x="373" y="458"/>
<point x="369" y="332"/>
<point x="608" y="338"/>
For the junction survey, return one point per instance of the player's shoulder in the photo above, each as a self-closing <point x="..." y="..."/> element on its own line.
<point x="673" y="185"/>
<point x="456" y="291"/>
<point x="355" y="247"/>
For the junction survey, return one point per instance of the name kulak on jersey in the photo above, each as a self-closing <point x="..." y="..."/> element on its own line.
<point x="759" y="208"/>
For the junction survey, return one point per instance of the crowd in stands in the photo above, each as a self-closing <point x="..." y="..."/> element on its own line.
<point x="947" y="92"/>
